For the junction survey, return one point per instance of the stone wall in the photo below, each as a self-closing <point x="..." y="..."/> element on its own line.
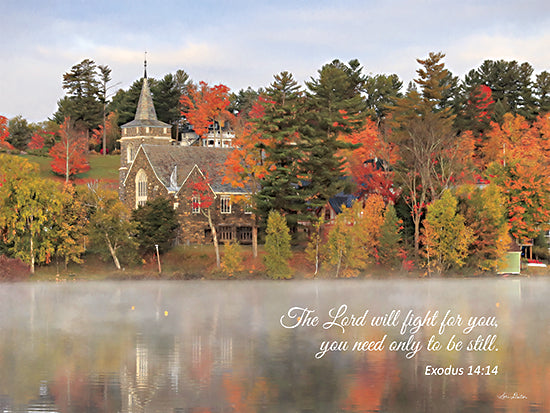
<point x="194" y="227"/>
<point x="154" y="187"/>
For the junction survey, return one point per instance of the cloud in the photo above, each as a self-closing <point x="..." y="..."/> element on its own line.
<point x="470" y="52"/>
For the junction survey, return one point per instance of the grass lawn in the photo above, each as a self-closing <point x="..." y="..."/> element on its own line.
<point x="102" y="168"/>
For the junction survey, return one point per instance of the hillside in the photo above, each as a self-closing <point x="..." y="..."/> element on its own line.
<point x="102" y="168"/>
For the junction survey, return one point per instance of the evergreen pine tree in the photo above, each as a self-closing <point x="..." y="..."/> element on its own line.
<point x="390" y="238"/>
<point x="280" y="130"/>
<point x="335" y="108"/>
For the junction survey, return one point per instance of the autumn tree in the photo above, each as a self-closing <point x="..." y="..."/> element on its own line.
<point x="69" y="153"/>
<point x="353" y="241"/>
<point x="446" y="236"/>
<point x="477" y="112"/>
<point x="232" y="260"/>
<point x="202" y="200"/>
<point x="29" y="207"/>
<point x="422" y="129"/>
<point x="527" y="197"/>
<point x="370" y="162"/>
<point x="205" y="106"/>
<point x="277" y="246"/>
<point x="484" y="211"/>
<point x="70" y="230"/>
<point x="4" y="134"/>
<point x="245" y="167"/>
<point x="111" y="232"/>
<point x="111" y="133"/>
<point x="517" y="158"/>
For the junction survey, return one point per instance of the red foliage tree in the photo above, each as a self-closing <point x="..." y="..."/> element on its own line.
<point x="203" y="201"/>
<point x="41" y="138"/>
<point x="4" y="133"/>
<point x="69" y="154"/>
<point x="370" y="164"/>
<point x="37" y="141"/>
<point x="204" y="105"/>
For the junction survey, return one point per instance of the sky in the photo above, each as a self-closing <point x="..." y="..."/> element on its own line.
<point x="242" y="43"/>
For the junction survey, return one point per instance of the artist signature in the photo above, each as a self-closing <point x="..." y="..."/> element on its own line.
<point x="512" y="396"/>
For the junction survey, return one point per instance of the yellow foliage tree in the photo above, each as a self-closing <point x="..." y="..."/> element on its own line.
<point x="446" y="237"/>
<point x="353" y="240"/>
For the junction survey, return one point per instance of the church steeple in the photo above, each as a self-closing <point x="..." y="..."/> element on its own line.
<point x="145" y="66"/>
<point x="144" y="129"/>
<point x="145" y="108"/>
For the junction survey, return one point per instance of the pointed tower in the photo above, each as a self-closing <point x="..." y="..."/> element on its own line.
<point x="145" y="128"/>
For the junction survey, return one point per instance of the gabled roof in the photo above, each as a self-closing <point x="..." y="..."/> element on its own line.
<point x="210" y="161"/>
<point x="145" y="112"/>
<point x="337" y="201"/>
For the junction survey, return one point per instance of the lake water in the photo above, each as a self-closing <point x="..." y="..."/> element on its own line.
<point x="231" y="346"/>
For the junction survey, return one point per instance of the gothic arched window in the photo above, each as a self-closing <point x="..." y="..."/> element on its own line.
<point x="141" y="188"/>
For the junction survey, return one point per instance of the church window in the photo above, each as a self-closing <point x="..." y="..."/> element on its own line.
<point x="141" y="188"/>
<point x="225" y="204"/>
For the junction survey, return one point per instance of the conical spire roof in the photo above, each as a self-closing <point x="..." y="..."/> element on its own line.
<point x="145" y="108"/>
<point x="145" y="112"/>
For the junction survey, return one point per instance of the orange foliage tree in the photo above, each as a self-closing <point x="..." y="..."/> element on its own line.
<point x="4" y="133"/>
<point x="370" y="163"/>
<point x="518" y="159"/>
<point x="69" y="154"/>
<point x="41" y="138"/>
<point x="245" y="166"/>
<point x="204" y="105"/>
<point x="111" y="133"/>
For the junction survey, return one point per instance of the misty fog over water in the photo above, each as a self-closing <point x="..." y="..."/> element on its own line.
<point x="267" y="346"/>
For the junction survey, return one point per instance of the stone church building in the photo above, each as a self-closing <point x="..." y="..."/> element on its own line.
<point x="153" y="165"/>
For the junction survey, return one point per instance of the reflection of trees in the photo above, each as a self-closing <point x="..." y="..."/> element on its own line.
<point x="376" y="375"/>
<point x="234" y="357"/>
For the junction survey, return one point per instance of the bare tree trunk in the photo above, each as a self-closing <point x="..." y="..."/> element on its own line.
<point x="339" y="264"/>
<point x="112" y="250"/>
<point x="32" y="256"/>
<point x="67" y="160"/>
<point x="214" y="238"/>
<point x="416" y="221"/>
<point x="255" y="241"/>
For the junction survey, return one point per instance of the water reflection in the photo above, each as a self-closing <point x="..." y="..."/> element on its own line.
<point x="220" y="347"/>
